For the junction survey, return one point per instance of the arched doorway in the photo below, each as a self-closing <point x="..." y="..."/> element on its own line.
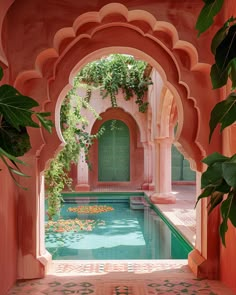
<point x="116" y="29"/>
<point x="114" y="152"/>
<point x="119" y="148"/>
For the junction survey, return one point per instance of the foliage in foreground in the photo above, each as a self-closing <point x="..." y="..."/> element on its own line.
<point x="15" y="116"/>
<point x="219" y="180"/>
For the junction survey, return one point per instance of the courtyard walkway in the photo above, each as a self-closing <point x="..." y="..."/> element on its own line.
<point x="135" y="277"/>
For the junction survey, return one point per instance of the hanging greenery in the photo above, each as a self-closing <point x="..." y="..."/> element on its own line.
<point x="118" y="72"/>
<point x="218" y="182"/>
<point x="73" y="126"/>
<point x="110" y="74"/>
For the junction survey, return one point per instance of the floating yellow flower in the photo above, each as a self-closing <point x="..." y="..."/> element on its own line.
<point x="75" y="225"/>
<point x="96" y="209"/>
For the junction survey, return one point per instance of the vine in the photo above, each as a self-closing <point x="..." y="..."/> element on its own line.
<point x="110" y="74"/>
<point x="73" y="126"/>
<point x="117" y="72"/>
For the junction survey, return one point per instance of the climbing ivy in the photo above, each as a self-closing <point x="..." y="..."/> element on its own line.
<point x="218" y="182"/>
<point x="118" y="72"/>
<point x="73" y="126"/>
<point x="110" y="74"/>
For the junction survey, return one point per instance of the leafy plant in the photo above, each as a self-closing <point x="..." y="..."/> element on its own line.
<point x="15" y="116"/>
<point x="73" y="129"/>
<point x="117" y="72"/>
<point x="219" y="180"/>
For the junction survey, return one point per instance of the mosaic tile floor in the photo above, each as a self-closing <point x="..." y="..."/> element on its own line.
<point x="119" y="282"/>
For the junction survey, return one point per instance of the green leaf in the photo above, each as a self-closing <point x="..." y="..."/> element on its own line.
<point x="214" y="157"/>
<point x="229" y="173"/>
<point x="207" y="14"/>
<point x="11" y="157"/>
<point x="212" y="176"/>
<point x="223" y="113"/>
<point x="223" y="229"/>
<point x="215" y="200"/>
<point x="16" y="108"/>
<point x="218" y="78"/>
<point x="220" y="35"/>
<point x="18" y="172"/>
<point x="227" y="210"/>
<point x="206" y="193"/>
<point x="233" y="73"/>
<point x="226" y="51"/>
<point x="46" y="123"/>
<point x="232" y="212"/>
<point x="223" y="187"/>
<point x="1" y="73"/>
<point x="13" y="141"/>
<point x="11" y="170"/>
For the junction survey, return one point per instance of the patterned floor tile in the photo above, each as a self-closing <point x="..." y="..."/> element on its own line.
<point x="119" y="285"/>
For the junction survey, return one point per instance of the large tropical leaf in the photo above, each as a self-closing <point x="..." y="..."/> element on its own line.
<point x="232" y="73"/>
<point x="46" y="123"/>
<point x="223" y="113"/>
<point x="214" y="157"/>
<point x="206" y="193"/>
<point x="232" y="214"/>
<point x="212" y="176"/>
<point x="207" y="14"/>
<point x="215" y="200"/>
<point x="226" y="50"/>
<point x="16" y="108"/>
<point x="220" y="35"/>
<point x="219" y="78"/>
<point x="226" y="210"/>
<point x="13" y="141"/>
<point x="229" y="172"/>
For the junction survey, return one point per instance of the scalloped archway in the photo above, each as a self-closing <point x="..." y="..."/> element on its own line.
<point x="113" y="29"/>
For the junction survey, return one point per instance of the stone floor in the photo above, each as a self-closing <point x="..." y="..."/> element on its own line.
<point x="182" y="214"/>
<point x="127" y="278"/>
<point x="146" y="277"/>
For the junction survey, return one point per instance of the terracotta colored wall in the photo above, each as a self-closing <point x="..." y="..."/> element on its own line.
<point x="8" y="232"/>
<point x="228" y="259"/>
<point x="228" y="254"/>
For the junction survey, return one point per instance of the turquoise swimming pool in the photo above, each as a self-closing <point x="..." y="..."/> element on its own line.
<point x="113" y="227"/>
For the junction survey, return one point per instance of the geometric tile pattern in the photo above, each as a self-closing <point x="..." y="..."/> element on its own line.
<point x="102" y="285"/>
<point x="106" y="267"/>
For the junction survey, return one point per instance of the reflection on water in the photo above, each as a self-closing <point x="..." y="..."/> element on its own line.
<point x="131" y="231"/>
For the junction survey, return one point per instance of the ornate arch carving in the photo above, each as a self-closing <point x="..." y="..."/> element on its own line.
<point x="115" y="28"/>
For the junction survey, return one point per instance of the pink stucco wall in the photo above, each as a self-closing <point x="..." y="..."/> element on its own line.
<point x="8" y="232"/>
<point x="30" y="27"/>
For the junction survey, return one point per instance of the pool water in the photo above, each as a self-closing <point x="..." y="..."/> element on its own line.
<point x="115" y="230"/>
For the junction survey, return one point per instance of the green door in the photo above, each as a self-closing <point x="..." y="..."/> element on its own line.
<point x="114" y="152"/>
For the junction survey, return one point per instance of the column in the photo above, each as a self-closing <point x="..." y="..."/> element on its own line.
<point x="163" y="192"/>
<point x="147" y="165"/>
<point x="82" y="174"/>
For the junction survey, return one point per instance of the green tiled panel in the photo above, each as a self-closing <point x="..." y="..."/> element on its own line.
<point x="114" y="153"/>
<point x="180" y="167"/>
<point x="175" y="173"/>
